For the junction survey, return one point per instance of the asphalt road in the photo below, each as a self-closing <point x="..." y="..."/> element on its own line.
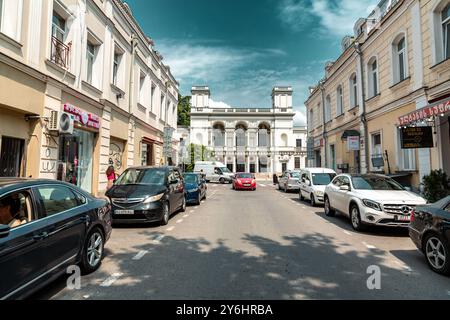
<point x="255" y="245"/>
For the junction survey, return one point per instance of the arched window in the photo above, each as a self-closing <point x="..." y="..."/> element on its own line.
<point x="241" y="135"/>
<point x="199" y="138"/>
<point x="372" y="75"/>
<point x="440" y="31"/>
<point x="284" y="140"/>
<point x="219" y="134"/>
<point x="353" y="88"/>
<point x="339" y="101"/>
<point x="399" y="59"/>
<point x="445" y="19"/>
<point x="327" y="109"/>
<point x="264" y="135"/>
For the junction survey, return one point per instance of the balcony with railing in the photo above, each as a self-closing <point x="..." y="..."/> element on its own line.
<point x="60" y="53"/>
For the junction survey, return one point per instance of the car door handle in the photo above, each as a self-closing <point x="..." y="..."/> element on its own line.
<point x="85" y="219"/>
<point x="40" y="236"/>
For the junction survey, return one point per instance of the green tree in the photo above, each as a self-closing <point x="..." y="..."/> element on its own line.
<point x="184" y="110"/>
<point x="197" y="153"/>
<point x="436" y="185"/>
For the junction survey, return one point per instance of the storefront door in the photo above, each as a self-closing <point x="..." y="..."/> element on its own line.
<point x="11" y="155"/>
<point x="75" y="159"/>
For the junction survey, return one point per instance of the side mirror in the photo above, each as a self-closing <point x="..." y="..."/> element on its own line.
<point x="308" y="183"/>
<point x="345" y="188"/>
<point x="175" y="181"/>
<point x="4" y="231"/>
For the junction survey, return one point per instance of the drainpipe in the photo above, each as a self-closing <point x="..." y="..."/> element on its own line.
<point x="324" y="132"/>
<point x="362" y="111"/>
<point x="134" y="44"/>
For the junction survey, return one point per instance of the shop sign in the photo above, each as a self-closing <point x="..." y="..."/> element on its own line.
<point x="168" y="133"/>
<point x="353" y="143"/>
<point x="417" y="138"/>
<point x="82" y="117"/>
<point x="425" y="113"/>
<point x="318" y="143"/>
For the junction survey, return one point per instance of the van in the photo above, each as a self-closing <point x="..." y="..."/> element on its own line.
<point x="313" y="182"/>
<point x="214" y="171"/>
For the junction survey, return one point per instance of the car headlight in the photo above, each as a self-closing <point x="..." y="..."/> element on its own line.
<point x="193" y="190"/>
<point x="372" y="204"/>
<point x="319" y="193"/>
<point x="154" y="198"/>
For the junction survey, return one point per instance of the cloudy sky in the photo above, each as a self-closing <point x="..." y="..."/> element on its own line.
<point x="243" y="48"/>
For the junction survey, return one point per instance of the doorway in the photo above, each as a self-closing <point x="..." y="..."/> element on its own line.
<point x="11" y="157"/>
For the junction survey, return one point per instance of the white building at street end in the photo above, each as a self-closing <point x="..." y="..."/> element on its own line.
<point x="257" y="140"/>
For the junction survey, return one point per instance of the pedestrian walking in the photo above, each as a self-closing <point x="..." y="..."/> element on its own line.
<point x="111" y="176"/>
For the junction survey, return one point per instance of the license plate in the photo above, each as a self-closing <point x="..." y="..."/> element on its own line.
<point x="403" y="218"/>
<point x="247" y="185"/>
<point x="128" y="212"/>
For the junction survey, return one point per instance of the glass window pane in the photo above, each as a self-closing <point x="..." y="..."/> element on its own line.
<point x="57" y="199"/>
<point x="401" y="64"/>
<point x="447" y="40"/>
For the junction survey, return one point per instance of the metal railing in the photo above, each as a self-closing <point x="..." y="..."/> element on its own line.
<point x="60" y="53"/>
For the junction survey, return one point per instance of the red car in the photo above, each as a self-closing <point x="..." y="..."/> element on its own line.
<point x="244" y="181"/>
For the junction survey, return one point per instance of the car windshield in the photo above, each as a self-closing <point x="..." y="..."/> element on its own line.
<point x="244" y="176"/>
<point x="225" y="170"/>
<point x="322" y="179"/>
<point x="295" y="175"/>
<point x="376" y="183"/>
<point x="142" y="176"/>
<point x="190" y="178"/>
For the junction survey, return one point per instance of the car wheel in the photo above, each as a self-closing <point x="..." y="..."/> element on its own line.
<point x="437" y="252"/>
<point x="285" y="188"/>
<point x="204" y="197"/>
<point x="313" y="200"/>
<point x="279" y="187"/>
<point x="183" y="205"/>
<point x="302" y="198"/>
<point x="165" y="214"/>
<point x="92" y="251"/>
<point x="329" y="212"/>
<point x="199" y="199"/>
<point x="356" y="218"/>
<point x="222" y="181"/>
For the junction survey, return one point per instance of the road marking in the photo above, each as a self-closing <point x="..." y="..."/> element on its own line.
<point x="192" y="211"/>
<point x="86" y="296"/>
<point x="262" y="185"/>
<point x="159" y="238"/>
<point x="111" y="279"/>
<point x="180" y="221"/>
<point x="347" y="233"/>
<point x="170" y="229"/>
<point x="369" y="246"/>
<point x="185" y="216"/>
<point x="140" y="255"/>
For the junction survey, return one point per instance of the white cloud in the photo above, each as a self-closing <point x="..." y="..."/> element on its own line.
<point x="300" y="119"/>
<point x="218" y="104"/>
<point x="336" y="18"/>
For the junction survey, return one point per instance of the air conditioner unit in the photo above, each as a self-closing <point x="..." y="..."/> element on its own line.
<point x="61" y="122"/>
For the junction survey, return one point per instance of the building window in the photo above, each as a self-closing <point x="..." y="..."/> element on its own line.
<point x="284" y="140"/>
<point x="377" y="150"/>
<point x="58" y="27"/>
<point x="298" y="143"/>
<point x="161" y="107"/>
<point x="311" y="120"/>
<point x="142" y="77"/>
<point x="297" y="163"/>
<point x="407" y="157"/>
<point x="399" y="60"/>
<point x="446" y="30"/>
<point x="90" y="56"/>
<point x="339" y="101"/>
<point x="327" y="109"/>
<point x="333" y="157"/>
<point x="11" y="12"/>
<point x="152" y="97"/>
<point x="117" y="67"/>
<point x="240" y="138"/>
<point x="353" y="91"/>
<point x="373" y="77"/>
<point x="59" y="50"/>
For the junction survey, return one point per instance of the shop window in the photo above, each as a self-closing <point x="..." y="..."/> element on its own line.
<point x="11" y="157"/>
<point x="333" y="157"/>
<point x="284" y="167"/>
<point x="407" y="157"/>
<point x="297" y="163"/>
<point x="377" y="151"/>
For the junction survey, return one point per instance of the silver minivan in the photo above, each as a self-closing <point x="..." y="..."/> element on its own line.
<point x="313" y="182"/>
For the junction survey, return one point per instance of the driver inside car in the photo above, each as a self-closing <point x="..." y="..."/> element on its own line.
<point x="10" y="212"/>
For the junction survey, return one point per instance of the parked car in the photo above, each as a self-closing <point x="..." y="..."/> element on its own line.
<point x="195" y="186"/>
<point x="289" y="181"/>
<point x="371" y="199"/>
<point x="147" y="194"/>
<point x="313" y="182"/>
<point x="214" y="171"/>
<point x="46" y="226"/>
<point x="244" y="181"/>
<point x="430" y="232"/>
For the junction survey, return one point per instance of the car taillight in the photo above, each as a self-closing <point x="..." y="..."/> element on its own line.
<point x="413" y="215"/>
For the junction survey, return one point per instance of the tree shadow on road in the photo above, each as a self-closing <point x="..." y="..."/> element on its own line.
<point x="313" y="266"/>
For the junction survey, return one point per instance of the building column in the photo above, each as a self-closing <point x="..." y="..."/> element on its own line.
<point x="257" y="165"/>
<point x="234" y="163"/>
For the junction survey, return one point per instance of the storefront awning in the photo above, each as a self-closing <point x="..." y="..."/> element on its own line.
<point x="350" y="133"/>
<point x="439" y="108"/>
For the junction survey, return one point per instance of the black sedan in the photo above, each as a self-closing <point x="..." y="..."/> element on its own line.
<point x="430" y="232"/>
<point x="46" y="226"/>
<point x="147" y="194"/>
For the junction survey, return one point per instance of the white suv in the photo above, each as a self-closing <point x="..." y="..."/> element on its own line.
<point x="313" y="182"/>
<point x="370" y="200"/>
